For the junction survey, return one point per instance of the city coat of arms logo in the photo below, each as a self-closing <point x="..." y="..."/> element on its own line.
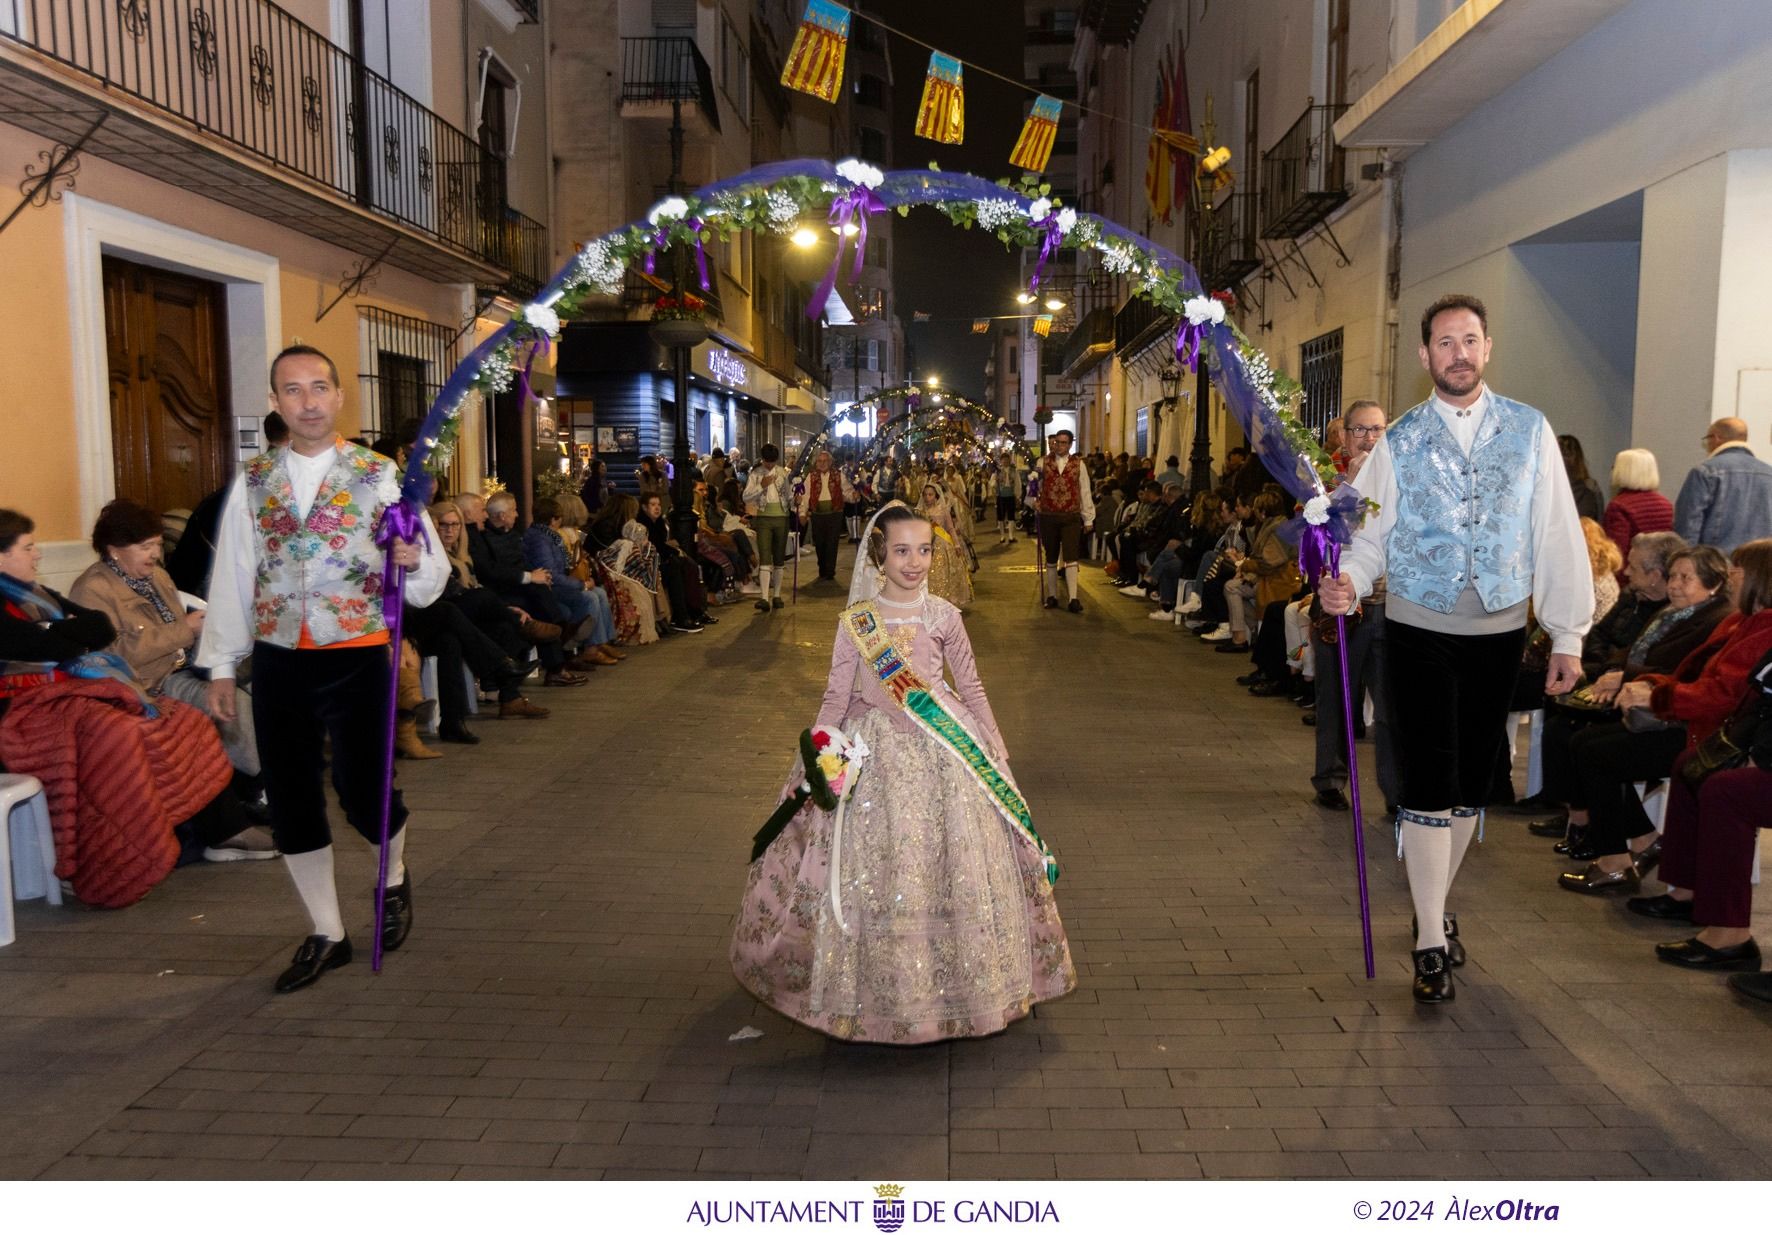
<point x="888" y="1207"/>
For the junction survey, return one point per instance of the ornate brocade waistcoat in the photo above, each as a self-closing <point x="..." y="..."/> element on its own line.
<point x="322" y="573"/>
<point x="1464" y="521"/>
<point x="1059" y="492"/>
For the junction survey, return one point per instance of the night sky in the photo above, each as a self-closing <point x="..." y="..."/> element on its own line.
<point x="940" y="269"/>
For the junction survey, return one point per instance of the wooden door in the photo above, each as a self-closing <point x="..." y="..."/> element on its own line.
<point x="170" y="427"/>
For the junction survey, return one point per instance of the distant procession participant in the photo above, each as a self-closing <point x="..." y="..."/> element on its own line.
<point x="769" y="497"/>
<point x="822" y="505"/>
<point x="1011" y="480"/>
<point x="1067" y="511"/>
<point x="1475" y="522"/>
<point x="297" y="584"/>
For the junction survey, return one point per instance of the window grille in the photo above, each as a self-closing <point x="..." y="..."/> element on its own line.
<point x="1319" y="371"/>
<point x="402" y="364"/>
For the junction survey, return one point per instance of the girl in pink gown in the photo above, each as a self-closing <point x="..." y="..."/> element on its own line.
<point x="922" y="908"/>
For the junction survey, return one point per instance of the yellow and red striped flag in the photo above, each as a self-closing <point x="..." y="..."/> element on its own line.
<point x="941" y="117"/>
<point x="1043" y="325"/>
<point x="1034" y="148"/>
<point x="815" y="62"/>
<point x="981" y="325"/>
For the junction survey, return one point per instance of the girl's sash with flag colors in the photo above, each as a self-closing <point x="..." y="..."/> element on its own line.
<point x="815" y="61"/>
<point x="941" y="117"/>
<point x="1033" y="150"/>
<point x="868" y="631"/>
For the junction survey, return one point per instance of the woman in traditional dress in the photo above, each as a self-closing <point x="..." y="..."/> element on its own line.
<point x="921" y="908"/>
<point x="950" y="577"/>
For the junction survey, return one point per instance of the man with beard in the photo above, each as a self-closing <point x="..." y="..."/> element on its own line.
<point x="1475" y="522"/>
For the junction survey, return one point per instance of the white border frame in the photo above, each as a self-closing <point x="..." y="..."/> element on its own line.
<point x="253" y="289"/>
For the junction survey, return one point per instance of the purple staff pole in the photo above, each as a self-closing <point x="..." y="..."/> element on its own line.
<point x="1353" y="785"/>
<point x="400" y="523"/>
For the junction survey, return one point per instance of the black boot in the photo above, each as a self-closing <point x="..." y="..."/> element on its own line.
<point x="1433" y="976"/>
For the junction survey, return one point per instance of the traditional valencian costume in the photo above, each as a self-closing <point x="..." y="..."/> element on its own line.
<point x="950" y="573"/>
<point x="921" y="908"/>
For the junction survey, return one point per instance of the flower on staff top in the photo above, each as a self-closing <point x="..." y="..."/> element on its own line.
<point x="1067" y="219"/>
<point x="1203" y="310"/>
<point x="667" y="210"/>
<point x="1316" y="511"/>
<point x="857" y="172"/>
<point x="1039" y="208"/>
<point x="543" y="318"/>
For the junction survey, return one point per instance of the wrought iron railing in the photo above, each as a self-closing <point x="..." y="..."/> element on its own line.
<point x="1304" y="176"/>
<point x="253" y="75"/>
<point x="1229" y="253"/>
<point x="1138" y="323"/>
<point x="660" y="70"/>
<point x="521" y="247"/>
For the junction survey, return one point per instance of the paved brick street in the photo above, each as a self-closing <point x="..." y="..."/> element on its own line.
<point x="564" y="1005"/>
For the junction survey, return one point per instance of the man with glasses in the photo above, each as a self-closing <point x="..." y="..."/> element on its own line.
<point x="1726" y="500"/>
<point x="1362" y="428"/>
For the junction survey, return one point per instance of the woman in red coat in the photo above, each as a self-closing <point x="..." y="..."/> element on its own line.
<point x="1637" y="505"/>
<point x="1665" y="715"/>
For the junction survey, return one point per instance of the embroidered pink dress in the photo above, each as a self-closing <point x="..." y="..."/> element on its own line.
<point x="941" y="921"/>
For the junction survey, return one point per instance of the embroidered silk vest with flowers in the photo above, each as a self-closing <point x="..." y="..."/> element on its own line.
<point x="1059" y="490"/>
<point x="321" y="575"/>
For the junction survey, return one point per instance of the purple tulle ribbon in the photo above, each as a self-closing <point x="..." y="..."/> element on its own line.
<point x="536" y="347"/>
<point x="1050" y="243"/>
<point x="1190" y="342"/>
<point x="852" y="207"/>
<point x="663" y="235"/>
<point x="401" y="523"/>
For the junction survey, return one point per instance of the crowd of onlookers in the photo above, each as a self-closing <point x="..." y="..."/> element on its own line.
<point x="1676" y="697"/>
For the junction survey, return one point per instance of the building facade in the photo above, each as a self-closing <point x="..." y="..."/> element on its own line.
<point x="204" y="185"/>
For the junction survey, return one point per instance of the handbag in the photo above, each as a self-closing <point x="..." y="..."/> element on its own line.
<point x="1724" y="750"/>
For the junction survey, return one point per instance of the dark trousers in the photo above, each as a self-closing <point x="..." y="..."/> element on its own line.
<point x="299" y="700"/>
<point x="827" y="533"/>
<point x="1367" y="670"/>
<point x="1448" y="700"/>
<point x="1556" y="752"/>
<point x="1707" y="841"/>
<point x="1061" y="536"/>
<point x="444" y="631"/>
<point x="1608" y="760"/>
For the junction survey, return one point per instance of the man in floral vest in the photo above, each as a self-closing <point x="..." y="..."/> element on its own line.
<point x="297" y="584"/>
<point x="1476" y="523"/>
<point x="1067" y="511"/>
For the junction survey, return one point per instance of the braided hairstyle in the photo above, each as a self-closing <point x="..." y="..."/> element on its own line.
<point x="890" y="514"/>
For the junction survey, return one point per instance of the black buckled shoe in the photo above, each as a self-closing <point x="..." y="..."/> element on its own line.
<point x="1076" y="606"/>
<point x="1051" y="602"/>
<point x="1694" y="953"/>
<point x="1433" y="976"/>
<point x="1454" y="949"/>
<point x="1595" y="882"/>
<point x="316" y="955"/>
<point x="396" y="914"/>
<point x="1663" y="908"/>
<point x="1648" y="859"/>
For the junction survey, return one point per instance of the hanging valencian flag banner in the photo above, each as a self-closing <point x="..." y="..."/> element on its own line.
<point x="1169" y="153"/>
<point x="815" y="62"/>
<point x="941" y="117"/>
<point x="1043" y="325"/>
<point x="981" y="325"/>
<point x="1034" y="148"/>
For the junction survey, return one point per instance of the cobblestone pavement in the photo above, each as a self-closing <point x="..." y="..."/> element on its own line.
<point x="564" y="1005"/>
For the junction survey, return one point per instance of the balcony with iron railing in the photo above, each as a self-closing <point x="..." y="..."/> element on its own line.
<point x="241" y="102"/>
<point x="664" y="78"/>
<point x="1304" y="176"/>
<point x="1228" y="252"/>
<point x="1138" y="324"/>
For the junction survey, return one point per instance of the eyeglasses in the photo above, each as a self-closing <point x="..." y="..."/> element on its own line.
<point x="1365" y="431"/>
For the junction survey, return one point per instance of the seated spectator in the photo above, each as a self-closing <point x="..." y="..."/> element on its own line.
<point x="1665" y="714"/>
<point x="620" y="543"/>
<point x="1160" y="548"/>
<point x="1219" y="571"/>
<point x="155" y="635"/>
<point x="585" y="605"/>
<point x="75" y="717"/>
<point x="1637" y="505"/>
<point x="1128" y="537"/>
<point x="1267" y="574"/>
<point x="495" y="547"/>
<point x="1605" y="561"/>
<point x="1708" y="853"/>
<point x="1590" y="503"/>
<point x="681" y="574"/>
<point x="574" y="518"/>
<point x="1671" y="611"/>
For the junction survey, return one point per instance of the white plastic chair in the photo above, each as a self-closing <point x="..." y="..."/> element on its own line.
<point x="1534" y="748"/>
<point x="27" y="849"/>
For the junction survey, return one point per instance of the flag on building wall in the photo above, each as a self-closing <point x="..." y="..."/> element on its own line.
<point x="918" y="315"/>
<point x="1168" y="168"/>
<point x="1043" y="325"/>
<point x="941" y="117"/>
<point x="1034" y="148"/>
<point x="981" y="325"/>
<point x="815" y="61"/>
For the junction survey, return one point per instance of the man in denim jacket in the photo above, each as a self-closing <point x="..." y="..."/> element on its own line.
<point x="1726" y="500"/>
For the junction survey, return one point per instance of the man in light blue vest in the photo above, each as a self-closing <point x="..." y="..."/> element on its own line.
<point x="1476" y="521"/>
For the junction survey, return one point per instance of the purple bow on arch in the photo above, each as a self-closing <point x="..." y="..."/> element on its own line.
<point x="401" y="523"/>
<point x="852" y="207"/>
<point x="663" y="234"/>
<point x="536" y="347"/>
<point x="1190" y="342"/>
<point x="1050" y="243"/>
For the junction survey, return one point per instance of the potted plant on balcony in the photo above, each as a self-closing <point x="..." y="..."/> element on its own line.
<point x="679" y="319"/>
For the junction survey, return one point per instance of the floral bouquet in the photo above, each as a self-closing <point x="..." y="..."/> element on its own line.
<point x="832" y="761"/>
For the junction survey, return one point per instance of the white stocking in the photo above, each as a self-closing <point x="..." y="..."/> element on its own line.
<point x="1463" y="828"/>
<point x="397" y="858"/>
<point x="1070" y="582"/>
<point x="764" y="574"/>
<point x="312" y="873"/>
<point x="1427" y="852"/>
<point x="1051" y="579"/>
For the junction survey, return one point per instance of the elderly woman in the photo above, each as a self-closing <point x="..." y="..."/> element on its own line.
<point x="155" y="635"/>
<point x="68" y="704"/>
<point x="1666" y="714"/>
<point x="1637" y="505"/>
